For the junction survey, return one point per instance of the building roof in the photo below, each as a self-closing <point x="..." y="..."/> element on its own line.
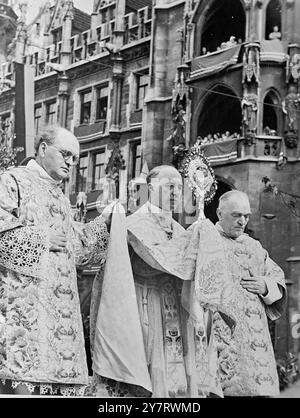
<point x="137" y="4"/>
<point x="82" y="20"/>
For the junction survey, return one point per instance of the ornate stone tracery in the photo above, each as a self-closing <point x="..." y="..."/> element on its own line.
<point x="251" y="68"/>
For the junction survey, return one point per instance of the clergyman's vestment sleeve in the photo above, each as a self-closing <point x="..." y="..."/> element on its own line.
<point x="91" y="241"/>
<point x="23" y="247"/>
<point x="274" y="273"/>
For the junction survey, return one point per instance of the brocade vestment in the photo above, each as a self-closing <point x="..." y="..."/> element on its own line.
<point x="175" y="347"/>
<point x="246" y="357"/>
<point x="41" y="333"/>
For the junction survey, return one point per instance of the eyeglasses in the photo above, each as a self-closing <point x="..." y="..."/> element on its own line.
<point x="67" y="155"/>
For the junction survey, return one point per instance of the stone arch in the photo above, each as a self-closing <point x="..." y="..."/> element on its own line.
<point x="210" y="209"/>
<point x="216" y="21"/>
<point x="219" y="111"/>
<point x="272" y="114"/>
<point x="273" y="17"/>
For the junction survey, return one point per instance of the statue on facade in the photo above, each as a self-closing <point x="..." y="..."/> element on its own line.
<point x="115" y="163"/>
<point x="249" y="108"/>
<point x="178" y="136"/>
<point x="291" y="107"/>
<point x="251" y="63"/>
<point x="81" y="207"/>
<point x="294" y="66"/>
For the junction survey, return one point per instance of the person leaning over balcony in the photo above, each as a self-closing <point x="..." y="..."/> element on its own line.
<point x="246" y="360"/>
<point x="41" y="335"/>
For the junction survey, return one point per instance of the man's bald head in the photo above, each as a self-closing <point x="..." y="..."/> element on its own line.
<point x="234" y="212"/>
<point x="161" y="171"/>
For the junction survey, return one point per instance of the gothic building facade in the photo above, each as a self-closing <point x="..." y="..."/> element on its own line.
<point x="141" y="81"/>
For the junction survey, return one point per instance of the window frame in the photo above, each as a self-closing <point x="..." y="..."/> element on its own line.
<point x="98" y="89"/>
<point x="139" y="87"/>
<point x="102" y="151"/>
<point x="48" y="114"/>
<point x="82" y="93"/>
<point x="37" y="120"/>
<point x="78" y="169"/>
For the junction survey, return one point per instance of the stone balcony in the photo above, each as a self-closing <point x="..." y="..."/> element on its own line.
<point x="90" y="131"/>
<point x="213" y="62"/>
<point x="231" y="150"/>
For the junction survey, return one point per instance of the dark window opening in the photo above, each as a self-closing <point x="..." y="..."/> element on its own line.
<point x="82" y="171"/>
<point x="86" y="104"/>
<point x="98" y="169"/>
<point x="51" y="113"/>
<point x="210" y="209"/>
<point x="221" y="113"/>
<point x="141" y="89"/>
<point x="270" y="120"/>
<point x="102" y="100"/>
<point x="224" y="21"/>
<point x="136" y="159"/>
<point x="273" y="20"/>
<point x="37" y="118"/>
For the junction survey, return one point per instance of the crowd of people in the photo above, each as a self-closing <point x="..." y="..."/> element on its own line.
<point x="217" y="137"/>
<point x="233" y="41"/>
<point x="224" y="45"/>
<point x="172" y="315"/>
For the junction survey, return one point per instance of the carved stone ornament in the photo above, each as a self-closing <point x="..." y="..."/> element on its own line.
<point x="291" y="139"/>
<point x="290" y="3"/>
<point x="295" y="66"/>
<point x="248" y="4"/>
<point x="251" y="63"/>
<point x="115" y="163"/>
<point x="249" y="106"/>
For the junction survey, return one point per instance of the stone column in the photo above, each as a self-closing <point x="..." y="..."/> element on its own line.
<point x="117" y="90"/>
<point x="250" y="102"/>
<point x="63" y="97"/>
<point x="65" y="54"/>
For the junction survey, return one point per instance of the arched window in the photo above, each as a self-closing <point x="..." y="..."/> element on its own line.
<point x="224" y="20"/>
<point x="221" y="113"/>
<point x="271" y="114"/>
<point x="273" y="20"/>
<point x="210" y="209"/>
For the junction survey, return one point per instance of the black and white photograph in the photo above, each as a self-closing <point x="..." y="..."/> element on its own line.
<point x="149" y="202"/>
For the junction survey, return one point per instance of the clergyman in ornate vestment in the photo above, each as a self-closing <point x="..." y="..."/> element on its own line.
<point x="164" y="351"/>
<point x="41" y="334"/>
<point x="246" y="358"/>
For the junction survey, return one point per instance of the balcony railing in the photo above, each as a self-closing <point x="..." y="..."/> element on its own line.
<point x="228" y="151"/>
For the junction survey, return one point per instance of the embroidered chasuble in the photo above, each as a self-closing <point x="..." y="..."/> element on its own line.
<point x="180" y="358"/>
<point x="246" y="358"/>
<point x="41" y="333"/>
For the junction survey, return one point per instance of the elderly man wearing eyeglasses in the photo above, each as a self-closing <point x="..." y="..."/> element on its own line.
<point x="41" y="336"/>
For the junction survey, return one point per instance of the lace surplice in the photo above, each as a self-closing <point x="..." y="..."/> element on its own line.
<point x="41" y="334"/>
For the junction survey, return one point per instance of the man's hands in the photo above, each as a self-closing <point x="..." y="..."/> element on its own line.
<point x="255" y="285"/>
<point x="58" y="241"/>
